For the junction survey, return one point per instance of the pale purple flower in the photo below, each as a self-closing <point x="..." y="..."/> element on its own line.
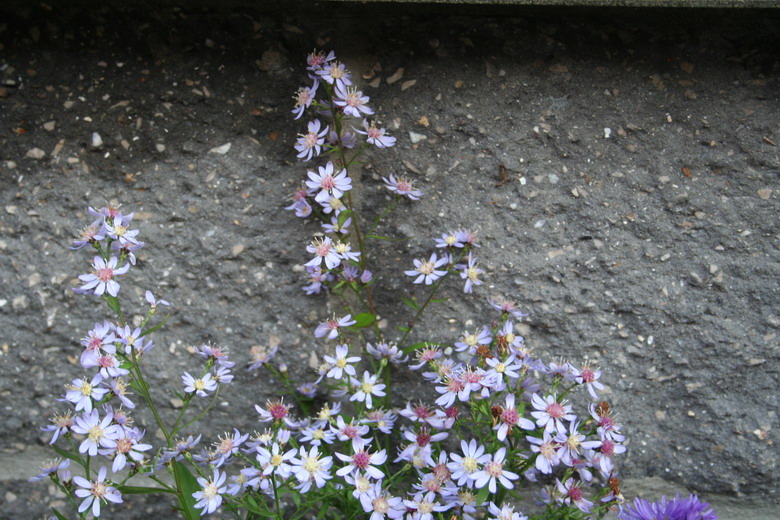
<point x="153" y="303"/>
<point x="402" y="187"/>
<point x="119" y="230"/>
<point x="335" y="227"/>
<point x="219" y="355"/>
<point x="572" y="495"/>
<point x="500" y="369"/>
<point x="330" y="185"/>
<point x="471" y="340"/>
<point x="507" y="307"/>
<point x="453" y="388"/>
<point x="102" y="280"/>
<point x="309" y="467"/>
<point x="572" y="442"/>
<point x="99" y="432"/>
<point x="310" y="144"/>
<point x="424" y="506"/>
<point x="108" y="364"/>
<point x="493" y="471"/>
<point x="588" y="377"/>
<point x="308" y="389"/>
<point x="261" y="356"/>
<point x="550" y="414"/>
<point x="546" y="447"/>
<point x="341" y="363"/>
<point x="274" y="461"/>
<point x="201" y="386"/>
<point x="376" y="136"/>
<point x="348" y="431"/>
<point x="303" y="99"/>
<point x="95" y="492"/>
<point x="125" y="447"/>
<point x="352" y="101"/>
<point x="428" y="271"/>
<point x="316" y="435"/>
<point x="331" y="327"/>
<point x="228" y="445"/>
<point x="274" y="411"/>
<point x="450" y="239"/>
<point x="335" y="73"/>
<point x="223" y="375"/>
<point x="49" y="468"/>
<point x="209" y="498"/>
<point x="381" y="504"/>
<point x="366" y="276"/>
<point x="82" y="391"/>
<point x="381" y="419"/>
<point x="101" y="337"/>
<point x="506" y="512"/>
<point x="367" y="388"/>
<point x="347" y="139"/>
<point x="387" y="351"/>
<point x="362" y="461"/>
<point x="464" y="467"/>
<point x="61" y="424"/>
<point x="344" y="250"/>
<point x="470" y="272"/>
<point x="510" y="417"/>
<point x="323" y="251"/>
<point x="315" y="60"/>
<point x="119" y="389"/>
<point x="95" y="232"/>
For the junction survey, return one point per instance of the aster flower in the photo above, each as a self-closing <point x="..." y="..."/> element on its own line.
<point x="428" y="271"/>
<point x="472" y="340"/>
<point x="493" y="471"/>
<point x="344" y="250"/>
<point x="261" y="356"/>
<point x="179" y="448"/>
<point x="547" y="448"/>
<point x="316" y="435"/>
<point x="571" y="492"/>
<point x="377" y="137"/>
<point x="331" y="327"/>
<point x="330" y="185"/>
<point x="387" y="351"/>
<point x="464" y="467"/>
<point x="500" y="369"/>
<point x="323" y="251"/>
<point x="335" y="227"/>
<point x="310" y="144"/>
<point x="153" y="302"/>
<point x="341" y="363"/>
<point x="367" y="388"/>
<point x="99" y="432"/>
<point x="352" y="101"/>
<point x="506" y="512"/>
<point x="200" y="386"/>
<point x="381" y="504"/>
<point x="426" y="355"/>
<point x="96" y="492"/>
<point x="362" y="461"/>
<point x="95" y="232"/>
<point x="677" y="508"/>
<point x="315" y="60"/>
<point x="119" y="230"/>
<point x="309" y="467"/>
<point x="274" y="461"/>
<point x="424" y="506"/>
<point x="470" y="272"/>
<point x="402" y="187"/>
<point x="307" y="389"/>
<point x="49" y="468"/>
<point x="275" y="411"/>
<point x="102" y="280"/>
<point x="125" y="447"/>
<point x="550" y="413"/>
<point x="219" y="355"/>
<point x="82" y="392"/>
<point x="119" y="389"/>
<point x="507" y="307"/>
<point x="101" y="337"/>
<point x="588" y="377"/>
<point x="450" y="239"/>
<point x="511" y="418"/>
<point x="109" y="365"/>
<point x="303" y="98"/>
<point x="335" y="73"/>
<point x="209" y="498"/>
<point x="348" y="431"/>
<point x="381" y="419"/>
<point x="61" y="424"/>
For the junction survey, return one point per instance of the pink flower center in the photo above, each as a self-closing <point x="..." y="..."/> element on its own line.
<point x="606" y="423"/>
<point x="575" y="494"/>
<point x="327" y="183"/>
<point x="432" y="484"/>
<point x="555" y="410"/>
<point x="311" y="140"/>
<point x="510" y="416"/>
<point x="455" y="385"/>
<point x="323" y="249"/>
<point x="350" y="431"/>
<point x="106" y="362"/>
<point x="608" y="447"/>
<point x="277" y="410"/>
<point x="94" y="343"/>
<point x="105" y="274"/>
<point x="472" y="377"/>
<point x="361" y="460"/>
<point x="494" y="469"/>
<point x="426" y="267"/>
<point x="442" y="473"/>
<point x="403" y="186"/>
<point x="422" y="412"/>
<point x="587" y="375"/>
<point x="423" y="438"/>
<point x="124" y="445"/>
<point x="375" y="133"/>
<point x="547" y="450"/>
<point x="452" y="412"/>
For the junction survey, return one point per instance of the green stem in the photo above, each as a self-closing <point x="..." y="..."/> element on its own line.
<point x="202" y="413"/>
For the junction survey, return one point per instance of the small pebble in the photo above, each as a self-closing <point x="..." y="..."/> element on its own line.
<point x="160" y="147"/>
<point x="553" y="178"/>
<point x="97" y="141"/>
<point x="49" y="126"/>
<point x="222" y="150"/>
<point x="416" y="138"/>
<point x="765" y="193"/>
<point x="35" y="153"/>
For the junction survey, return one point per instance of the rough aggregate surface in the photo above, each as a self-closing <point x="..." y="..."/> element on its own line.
<point x="620" y="171"/>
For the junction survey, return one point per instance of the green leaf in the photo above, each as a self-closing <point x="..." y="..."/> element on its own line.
<point x="362" y="320"/>
<point x="68" y="455"/>
<point x="59" y="515"/>
<point x="411" y="302"/>
<point x="439" y="300"/>
<point x="413" y="347"/>
<point x="141" y="490"/>
<point x="482" y="495"/>
<point x="113" y="303"/>
<point x="343" y="216"/>
<point x="382" y="237"/>
<point x="402" y="329"/>
<point x="156" y="327"/>
<point x="136" y="386"/>
<point x="189" y="485"/>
